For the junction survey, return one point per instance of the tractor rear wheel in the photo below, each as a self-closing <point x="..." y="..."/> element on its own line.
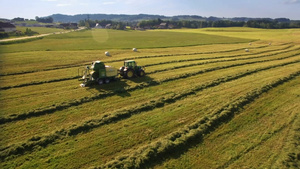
<point x="142" y="73"/>
<point x="129" y="73"/>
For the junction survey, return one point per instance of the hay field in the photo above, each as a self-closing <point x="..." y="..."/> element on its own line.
<point x="204" y="102"/>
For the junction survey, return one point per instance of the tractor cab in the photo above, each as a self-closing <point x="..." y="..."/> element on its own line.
<point x="131" y="69"/>
<point x="130" y="64"/>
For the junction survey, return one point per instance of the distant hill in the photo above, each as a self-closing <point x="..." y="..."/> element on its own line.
<point x="139" y="17"/>
<point x="113" y="17"/>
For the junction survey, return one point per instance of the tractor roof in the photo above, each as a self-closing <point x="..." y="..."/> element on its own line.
<point x="129" y="61"/>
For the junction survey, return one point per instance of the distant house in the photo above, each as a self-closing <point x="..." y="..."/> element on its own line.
<point x="98" y="26"/>
<point x="162" y="25"/>
<point x="7" y="27"/>
<point x="108" y="26"/>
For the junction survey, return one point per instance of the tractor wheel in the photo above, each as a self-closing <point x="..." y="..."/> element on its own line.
<point x="107" y="81"/>
<point x="142" y="73"/>
<point x="100" y="81"/>
<point x="129" y="73"/>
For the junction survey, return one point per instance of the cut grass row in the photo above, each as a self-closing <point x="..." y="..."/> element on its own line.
<point x="102" y="142"/>
<point x="113" y="90"/>
<point x="51" y="109"/>
<point x="50" y="76"/>
<point x="138" y="158"/>
<point x="264" y="129"/>
<point x="122" y="114"/>
<point x="98" y="108"/>
<point x="56" y="64"/>
<point x="71" y="83"/>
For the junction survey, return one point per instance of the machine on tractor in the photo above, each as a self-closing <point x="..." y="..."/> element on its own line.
<point x="130" y="69"/>
<point x="98" y="72"/>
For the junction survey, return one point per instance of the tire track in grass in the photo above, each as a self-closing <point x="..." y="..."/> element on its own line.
<point x="64" y="105"/>
<point x="162" y="70"/>
<point x="178" y="140"/>
<point x="130" y="58"/>
<point x="118" y="115"/>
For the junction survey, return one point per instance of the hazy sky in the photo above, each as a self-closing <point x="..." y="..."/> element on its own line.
<point x="220" y="8"/>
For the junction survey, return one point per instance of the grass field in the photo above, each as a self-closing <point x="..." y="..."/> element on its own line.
<point x="204" y="103"/>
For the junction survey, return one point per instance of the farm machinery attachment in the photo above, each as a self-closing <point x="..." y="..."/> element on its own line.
<point x="98" y="72"/>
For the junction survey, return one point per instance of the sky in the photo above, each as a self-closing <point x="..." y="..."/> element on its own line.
<point x="29" y="9"/>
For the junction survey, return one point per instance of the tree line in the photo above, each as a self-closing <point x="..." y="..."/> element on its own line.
<point x="280" y="23"/>
<point x="104" y="23"/>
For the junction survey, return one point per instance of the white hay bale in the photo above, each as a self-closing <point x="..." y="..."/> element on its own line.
<point x="107" y="53"/>
<point x="246" y="50"/>
<point x="250" y="43"/>
<point x="134" y="49"/>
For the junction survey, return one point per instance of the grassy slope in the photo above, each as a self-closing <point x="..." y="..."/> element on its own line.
<point x="159" y="108"/>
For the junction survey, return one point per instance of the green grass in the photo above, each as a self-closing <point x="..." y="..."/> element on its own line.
<point x="41" y="30"/>
<point x="201" y="103"/>
<point x="112" y="39"/>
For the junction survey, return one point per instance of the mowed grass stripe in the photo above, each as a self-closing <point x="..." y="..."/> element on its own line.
<point x="155" y="64"/>
<point x="180" y="56"/>
<point x="126" y="58"/>
<point x="227" y="60"/>
<point x="119" y="115"/>
<point x="143" y="155"/>
<point x="91" y="146"/>
<point x="77" y="102"/>
<point x="98" y="108"/>
<point x="81" y="92"/>
<point x="263" y="129"/>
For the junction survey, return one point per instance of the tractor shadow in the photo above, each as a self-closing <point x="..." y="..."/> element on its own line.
<point x="120" y="86"/>
<point x="145" y="79"/>
<point x="116" y="87"/>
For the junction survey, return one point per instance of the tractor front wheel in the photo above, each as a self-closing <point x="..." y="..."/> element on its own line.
<point x="100" y="81"/>
<point x="129" y="73"/>
<point x="107" y="81"/>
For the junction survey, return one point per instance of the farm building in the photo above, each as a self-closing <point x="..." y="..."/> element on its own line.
<point x="7" y="27"/>
<point x="98" y="26"/>
<point x="108" y="26"/>
<point x="163" y="26"/>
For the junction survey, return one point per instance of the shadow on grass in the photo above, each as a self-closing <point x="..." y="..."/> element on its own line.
<point x="120" y="87"/>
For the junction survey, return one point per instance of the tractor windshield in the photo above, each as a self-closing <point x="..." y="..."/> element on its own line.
<point x="130" y="64"/>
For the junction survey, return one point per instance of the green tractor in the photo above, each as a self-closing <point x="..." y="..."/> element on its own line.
<point x="130" y="69"/>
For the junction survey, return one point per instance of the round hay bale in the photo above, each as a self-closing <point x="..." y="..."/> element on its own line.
<point x="134" y="49"/>
<point x="246" y="50"/>
<point x="270" y="43"/>
<point x="250" y="43"/>
<point x="107" y="53"/>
